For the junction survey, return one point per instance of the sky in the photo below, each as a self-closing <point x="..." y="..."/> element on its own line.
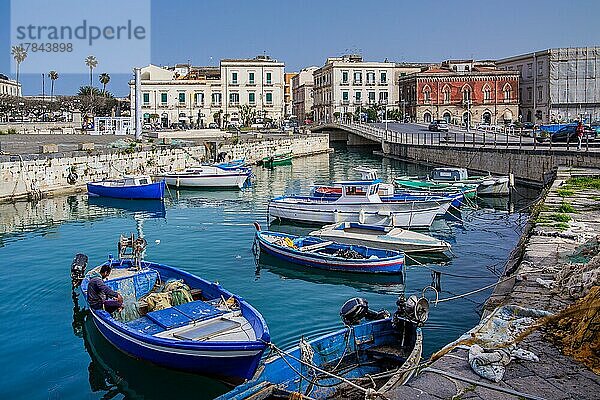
<point x="303" y="33"/>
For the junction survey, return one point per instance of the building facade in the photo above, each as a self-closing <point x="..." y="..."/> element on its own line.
<point x="197" y="96"/>
<point x="558" y="85"/>
<point x="9" y="87"/>
<point x="302" y="94"/>
<point x="287" y="93"/>
<point x="461" y="92"/>
<point x="346" y="84"/>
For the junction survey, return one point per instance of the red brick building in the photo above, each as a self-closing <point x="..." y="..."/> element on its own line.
<point x="460" y="91"/>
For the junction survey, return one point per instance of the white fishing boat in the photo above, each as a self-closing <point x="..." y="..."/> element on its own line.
<point x="488" y="185"/>
<point x="206" y="176"/>
<point x="359" y="201"/>
<point x="381" y="237"/>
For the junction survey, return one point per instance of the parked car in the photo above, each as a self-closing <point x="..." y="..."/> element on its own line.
<point x="438" y="125"/>
<point x="528" y="125"/>
<point x="569" y="133"/>
<point x="213" y="125"/>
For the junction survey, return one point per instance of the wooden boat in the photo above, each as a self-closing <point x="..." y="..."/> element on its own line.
<point x="175" y="319"/>
<point x="379" y="353"/>
<point x="128" y="187"/>
<point x="380" y="237"/>
<point x="277" y="159"/>
<point x="314" y="252"/>
<point x="206" y="176"/>
<point x="359" y="202"/>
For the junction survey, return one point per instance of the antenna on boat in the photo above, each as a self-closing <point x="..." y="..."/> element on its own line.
<point x="137" y="247"/>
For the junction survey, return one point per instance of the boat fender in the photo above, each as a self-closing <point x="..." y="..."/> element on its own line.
<point x="336" y="216"/>
<point x="361" y="216"/>
<point x="72" y="177"/>
<point x="78" y="267"/>
<point x="256" y="226"/>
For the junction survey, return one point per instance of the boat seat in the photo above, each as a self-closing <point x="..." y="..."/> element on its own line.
<point x="315" y="246"/>
<point x="145" y="325"/>
<point x="183" y="314"/>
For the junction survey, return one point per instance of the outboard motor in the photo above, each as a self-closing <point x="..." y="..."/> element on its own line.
<point x="414" y="309"/>
<point x="357" y="308"/>
<point x="78" y="269"/>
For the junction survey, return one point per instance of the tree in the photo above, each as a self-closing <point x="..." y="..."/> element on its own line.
<point x="217" y="117"/>
<point x="104" y="78"/>
<point x="88" y="91"/>
<point x="19" y="54"/>
<point x="247" y="114"/>
<point x="53" y="75"/>
<point x="92" y="63"/>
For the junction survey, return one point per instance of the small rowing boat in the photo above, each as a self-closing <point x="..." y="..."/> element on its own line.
<point x="128" y="187"/>
<point x="207" y="176"/>
<point x="175" y="319"/>
<point x="381" y="237"/>
<point x="314" y="252"/>
<point x="277" y="159"/>
<point x="373" y="354"/>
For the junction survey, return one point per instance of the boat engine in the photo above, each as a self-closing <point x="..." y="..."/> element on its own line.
<point x="357" y="308"/>
<point x="78" y="269"/>
<point x="413" y="309"/>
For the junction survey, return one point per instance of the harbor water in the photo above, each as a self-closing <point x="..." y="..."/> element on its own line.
<point x="50" y="350"/>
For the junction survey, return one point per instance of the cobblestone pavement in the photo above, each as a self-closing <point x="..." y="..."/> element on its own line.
<point x="545" y="253"/>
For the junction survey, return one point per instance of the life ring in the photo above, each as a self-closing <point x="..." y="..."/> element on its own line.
<point x="72" y="177"/>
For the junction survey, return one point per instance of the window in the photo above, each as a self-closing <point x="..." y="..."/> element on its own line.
<point x="487" y="94"/>
<point x="358" y="77"/>
<point x="540" y="68"/>
<point x="383" y="97"/>
<point x="146" y="98"/>
<point x="520" y="68"/>
<point x="216" y="98"/>
<point x="163" y="98"/>
<point x="529" y="94"/>
<point x="357" y="96"/>
<point x="520" y="94"/>
<point x="251" y="78"/>
<point x="446" y="92"/>
<point x="251" y="98"/>
<point x="199" y="98"/>
<point x="529" y="70"/>
<point x="345" y="96"/>
<point x="540" y="93"/>
<point x="269" y="97"/>
<point x="466" y="94"/>
<point x="507" y="92"/>
<point x="234" y="98"/>
<point x="234" y="78"/>
<point x="383" y="77"/>
<point x="370" y="78"/>
<point x="269" y="78"/>
<point x="181" y="98"/>
<point x="371" y="97"/>
<point x="426" y="95"/>
<point x="344" y="76"/>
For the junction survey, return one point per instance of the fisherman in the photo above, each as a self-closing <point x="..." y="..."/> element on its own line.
<point x="100" y="296"/>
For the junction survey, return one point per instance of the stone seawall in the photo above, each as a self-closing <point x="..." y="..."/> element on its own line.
<point x="21" y="178"/>
<point x="529" y="166"/>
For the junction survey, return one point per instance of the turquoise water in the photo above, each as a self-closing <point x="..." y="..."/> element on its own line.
<point x="50" y="351"/>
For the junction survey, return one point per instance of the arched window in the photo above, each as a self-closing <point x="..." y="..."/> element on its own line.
<point x="447" y="116"/>
<point x="426" y="94"/>
<point x="446" y="92"/>
<point x="486" y="118"/>
<point x="507" y="90"/>
<point x="427" y="117"/>
<point x="466" y="93"/>
<point x="487" y="93"/>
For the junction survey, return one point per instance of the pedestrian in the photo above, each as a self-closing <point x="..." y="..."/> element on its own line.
<point x="579" y="131"/>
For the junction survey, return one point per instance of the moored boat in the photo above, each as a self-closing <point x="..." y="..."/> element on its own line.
<point x="381" y="237"/>
<point x="128" y="187"/>
<point x="374" y="354"/>
<point x="358" y="202"/>
<point x="314" y="252"/>
<point x="175" y="319"/>
<point x="277" y="159"/>
<point x="206" y="176"/>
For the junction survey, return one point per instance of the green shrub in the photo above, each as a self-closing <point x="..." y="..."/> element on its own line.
<point x="566" y="208"/>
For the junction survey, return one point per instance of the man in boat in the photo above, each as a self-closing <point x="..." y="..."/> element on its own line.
<point x="100" y="296"/>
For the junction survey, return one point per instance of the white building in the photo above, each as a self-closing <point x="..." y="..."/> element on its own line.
<point x="197" y="96"/>
<point x="9" y="87"/>
<point x="557" y="85"/>
<point x="302" y="94"/>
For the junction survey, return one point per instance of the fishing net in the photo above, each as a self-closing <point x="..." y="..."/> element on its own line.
<point x="576" y="330"/>
<point x="349" y="254"/>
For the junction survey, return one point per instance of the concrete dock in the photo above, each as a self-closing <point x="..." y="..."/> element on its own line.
<point x="553" y="268"/>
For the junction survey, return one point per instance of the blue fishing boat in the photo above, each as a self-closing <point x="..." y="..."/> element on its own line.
<point x="129" y="187"/>
<point x="175" y="319"/>
<point x="233" y="164"/>
<point x="374" y="354"/>
<point x="314" y="252"/>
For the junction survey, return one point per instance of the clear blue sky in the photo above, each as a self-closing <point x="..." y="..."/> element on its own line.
<point x="303" y="33"/>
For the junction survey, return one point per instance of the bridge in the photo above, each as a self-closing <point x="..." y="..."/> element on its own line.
<point x="530" y="158"/>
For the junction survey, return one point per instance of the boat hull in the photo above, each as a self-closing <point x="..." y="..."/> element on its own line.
<point x="406" y="215"/>
<point x="494" y="187"/>
<point x="152" y="191"/>
<point x="233" y="366"/>
<point x="207" y="181"/>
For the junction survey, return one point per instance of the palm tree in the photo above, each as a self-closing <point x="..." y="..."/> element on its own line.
<point x="53" y="75"/>
<point x="104" y="78"/>
<point x="91" y="62"/>
<point x="19" y="54"/>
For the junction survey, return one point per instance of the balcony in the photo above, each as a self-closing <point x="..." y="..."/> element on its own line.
<point x="358" y="82"/>
<point x="370" y="83"/>
<point x="344" y="83"/>
<point x="269" y="105"/>
<point x="268" y="83"/>
<point x="345" y="102"/>
<point x="199" y="104"/>
<point x="252" y="83"/>
<point x="383" y="83"/>
<point x="216" y="104"/>
<point x="357" y="101"/>
<point x="234" y="83"/>
<point x="234" y="104"/>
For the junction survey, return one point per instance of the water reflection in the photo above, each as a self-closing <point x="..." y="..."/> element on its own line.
<point x="140" y="208"/>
